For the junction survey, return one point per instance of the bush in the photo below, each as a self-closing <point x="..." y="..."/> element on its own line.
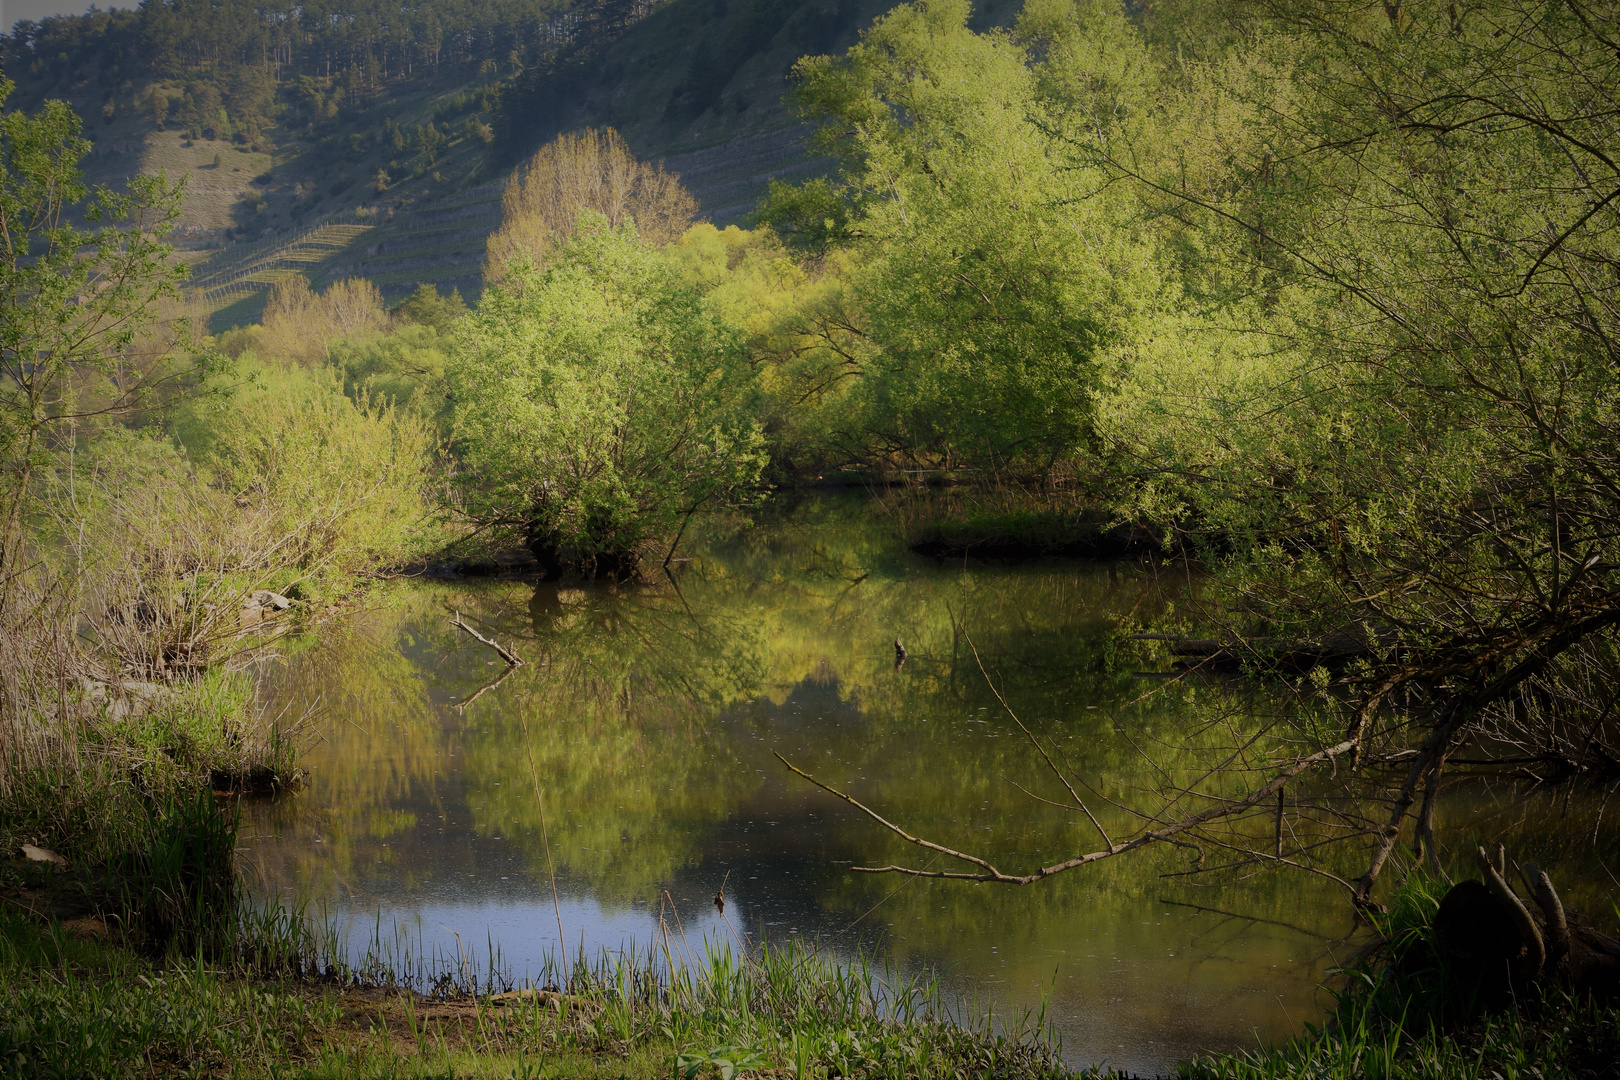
<point x="340" y="482"/>
<point x="405" y="368"/>
<point x="300" y="324"/>
<point x="428" y="307"/>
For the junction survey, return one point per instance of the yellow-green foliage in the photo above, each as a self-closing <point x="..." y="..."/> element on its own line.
<point x="343" y="480"/>
<point x="789" y="314"/>
<point x="404" y="368"/>
<point x="601" y="401"/>
<point x="987" y="270"/>
<point x="300" y="324"/>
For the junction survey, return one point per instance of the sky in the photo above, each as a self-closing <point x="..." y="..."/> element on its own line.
<point x="12" y="10"/>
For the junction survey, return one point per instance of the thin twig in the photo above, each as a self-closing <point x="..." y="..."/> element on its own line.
<point x="545" y="840"/>
<point x="1036" y="743"/>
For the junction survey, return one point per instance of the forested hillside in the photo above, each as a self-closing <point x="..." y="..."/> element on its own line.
<point x="286" y="121"/>
<point x="390" y="128"/>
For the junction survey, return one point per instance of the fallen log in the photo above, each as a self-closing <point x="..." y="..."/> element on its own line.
<point x="1488" y="939"/>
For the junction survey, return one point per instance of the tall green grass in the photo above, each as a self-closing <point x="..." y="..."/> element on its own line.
<point x="71" y="1008"/>
<point x="76" y="1008"/>
<point x="794" y="1008"/>
<point x="713" y="1006"/>
<point x="1399" y="1016"/>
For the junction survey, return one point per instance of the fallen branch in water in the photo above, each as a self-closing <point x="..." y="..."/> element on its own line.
<point x="487" y="687"/>
<point x="508" y="655"/>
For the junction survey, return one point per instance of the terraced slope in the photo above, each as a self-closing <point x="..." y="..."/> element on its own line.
<point x="439" y="243"/>
<point x="249" y="266"/>
<point x="730" y="179"/>
<point x="233" y="283"/>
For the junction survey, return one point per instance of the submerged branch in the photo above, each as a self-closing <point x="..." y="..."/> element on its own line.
<point x="512" y="658"/>
<point x="487" y="687"/>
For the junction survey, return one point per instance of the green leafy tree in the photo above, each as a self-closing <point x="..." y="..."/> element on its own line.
<point x="405" y="368"/>
<point x="1416" y="208"/>
<point x="427" y="306"/>
<point x="599" y="404"/>
<point x="1375" y="387"/>
<point x="991" y="276"/>
<point x="76" y="305"/>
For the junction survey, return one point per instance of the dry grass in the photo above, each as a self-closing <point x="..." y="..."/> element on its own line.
<point x="122" y="657"/>
<point x="212" y="192"/>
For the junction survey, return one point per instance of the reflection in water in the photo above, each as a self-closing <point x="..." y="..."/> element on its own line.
<point x="652" y="717"/>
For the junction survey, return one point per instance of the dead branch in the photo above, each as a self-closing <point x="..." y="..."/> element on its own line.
<point x="1202" y="910"/>
<point x="1536" y="949"/>
<point x="1433" y="745"/>
<point x="1553" y="909"/>
<point x="487" y="687"/>
<point x="510" y="657"/>
<point x="1165" y="834"/>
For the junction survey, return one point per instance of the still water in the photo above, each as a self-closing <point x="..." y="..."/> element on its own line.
<point x="651" y="718"/>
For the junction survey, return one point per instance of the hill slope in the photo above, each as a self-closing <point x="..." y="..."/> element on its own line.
<point x="695" y="74"/>
<point x="389" y="166"/>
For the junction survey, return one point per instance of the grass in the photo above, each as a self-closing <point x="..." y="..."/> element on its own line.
<point x="213" y="193"/>
<point x="1400" y="1016"/>
<point x="167" y="970"/>
<point x="1553" y="1036"/>
<point x="111" y="791"/>
<point x="681" y="1011"/>
<point x="72" y="1005"/>
<point x="77" y="1007"/>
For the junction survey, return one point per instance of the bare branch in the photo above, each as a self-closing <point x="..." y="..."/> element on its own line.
<point x="510" y="657"/>
<point x="487" y="687"/>
<point x="1075" y="795"/>
<point x="1165" y="834"/>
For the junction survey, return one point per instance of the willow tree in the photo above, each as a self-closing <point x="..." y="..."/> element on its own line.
<point x="989" y="275"/>
<point x="1375" y="392"/>
<point x="593" y="170"/>
<point x="599" y="404"/>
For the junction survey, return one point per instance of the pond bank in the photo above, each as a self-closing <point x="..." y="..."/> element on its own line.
<point x="652" y="717"/>
<point x="76" y="1000"/>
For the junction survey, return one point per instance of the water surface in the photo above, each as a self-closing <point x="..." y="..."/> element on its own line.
<point x="651" y="719"/>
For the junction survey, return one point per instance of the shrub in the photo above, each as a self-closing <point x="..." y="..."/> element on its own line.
<point x="341" y="481"/>
<point x="300" y="324"/>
